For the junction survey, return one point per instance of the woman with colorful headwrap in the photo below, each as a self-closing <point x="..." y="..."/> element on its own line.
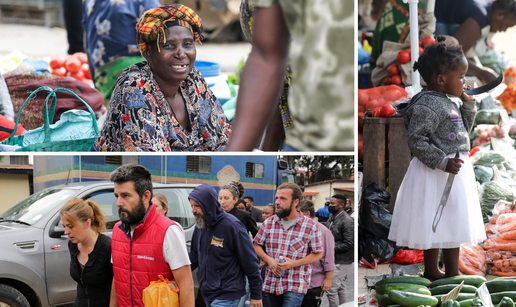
<point x="164" y="103"/>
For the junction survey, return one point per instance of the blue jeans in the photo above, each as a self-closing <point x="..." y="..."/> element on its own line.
<point x="222" y="303"/>
<point x="287" y="299"/>
<point x="246" y="295"/>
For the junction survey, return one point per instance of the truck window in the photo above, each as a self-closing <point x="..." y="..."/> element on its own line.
<point x="37" y="205"/>
<point x="254" y="170"/>
<point x="179" y="209"/>
<point x="197" y="164"/>
<point x="288" y="178"/>
<point x="107" y="203"/>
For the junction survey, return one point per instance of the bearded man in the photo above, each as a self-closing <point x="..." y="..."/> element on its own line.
<point x="145" y="244"/>
<point x="223" y="252"/>
<point x="297" y="240"/>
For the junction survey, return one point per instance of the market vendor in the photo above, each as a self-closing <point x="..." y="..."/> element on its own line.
<point x="473" y="22"/>
<point x="164" y="103"/>
<point x="109" y="30"/>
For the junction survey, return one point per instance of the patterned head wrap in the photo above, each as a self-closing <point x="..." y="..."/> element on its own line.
<point x="153" y="23"/>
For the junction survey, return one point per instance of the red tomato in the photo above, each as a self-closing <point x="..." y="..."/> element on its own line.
<point x="388" y="80"/>
<point x="376" y="111"/>
<point x="393" y="70"/>
<point x="81" y="56"/>
<point x="373" y="302"/>
<point x="79" y="75"/>
<point x="403" y="57"/>
<point x="60" y="72"/>
<point x="73" y="64"/>
<point x="428" y="41"/>
<point x="396" y="80"/>
<point x="86" y="71"/>
<point x="387" y="110"/>
<point x="56" y="62"/>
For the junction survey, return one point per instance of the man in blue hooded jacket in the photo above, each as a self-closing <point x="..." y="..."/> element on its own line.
<point x="223" y="252"/>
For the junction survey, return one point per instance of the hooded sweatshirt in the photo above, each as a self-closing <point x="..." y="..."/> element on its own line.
<point x="223" y="252"/>
<point x="437" y="126"/>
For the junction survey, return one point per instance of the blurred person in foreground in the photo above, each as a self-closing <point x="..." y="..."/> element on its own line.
<point x="322" y="86"/>
<point x="164" y="103"/>
<point x="322" y="270"/>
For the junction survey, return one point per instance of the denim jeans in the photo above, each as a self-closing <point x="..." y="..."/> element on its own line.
<point x="246" y="295"/>
<point x="287" y="299"/>
<point x="222" y="303"/>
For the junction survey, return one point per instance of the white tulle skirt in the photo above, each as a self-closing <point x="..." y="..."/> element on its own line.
<point x="418" y="199"/>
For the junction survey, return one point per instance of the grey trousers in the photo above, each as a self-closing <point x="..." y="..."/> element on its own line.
<point x="342" y="285"/>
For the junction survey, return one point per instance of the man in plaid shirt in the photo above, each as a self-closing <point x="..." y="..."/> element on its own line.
<point x="294" y="237"/>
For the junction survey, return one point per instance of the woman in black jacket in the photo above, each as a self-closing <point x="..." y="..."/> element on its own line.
<point x="228" y="196"/>
<point x="90" y="252"/>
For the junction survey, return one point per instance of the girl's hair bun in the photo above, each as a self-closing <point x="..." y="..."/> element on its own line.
<point x="440" y="38"/>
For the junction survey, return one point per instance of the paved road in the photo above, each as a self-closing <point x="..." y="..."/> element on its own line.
<point x="39" y="41"/>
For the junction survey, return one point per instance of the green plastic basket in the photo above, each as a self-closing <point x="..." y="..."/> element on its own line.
<point x="47" y="145"/>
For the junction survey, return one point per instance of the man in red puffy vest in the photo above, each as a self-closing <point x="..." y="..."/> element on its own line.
<point x="145" y="243"/>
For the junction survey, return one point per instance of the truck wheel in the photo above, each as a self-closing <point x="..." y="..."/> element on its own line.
<point x="10" y="297"/>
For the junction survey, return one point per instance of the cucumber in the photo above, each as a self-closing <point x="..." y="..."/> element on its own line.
<point x="501" y="285"/>
<point x="497" y="297"/>
<point x="506" y="302"/>
<point x="383" y="300"/>
<point x="445" y="289"/>
<point x="461" y="297"/>
<point x="404" y="280"/>
<point x="466" y="303"/>
<point x="385" y="288"/>
<point x="423" y="291"/>
<point x="412" y="299"/>
<point x="473" y="280"/>
<point x="394" y="305"/>
<point x="450" y="303"/>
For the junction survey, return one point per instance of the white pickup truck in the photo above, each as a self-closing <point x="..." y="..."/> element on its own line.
<point x="34" y="257"/>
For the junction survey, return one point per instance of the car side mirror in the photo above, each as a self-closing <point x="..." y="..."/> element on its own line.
<point x="56" y="229"/>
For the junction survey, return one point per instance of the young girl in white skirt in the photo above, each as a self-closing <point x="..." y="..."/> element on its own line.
<point x="438" y="122"/>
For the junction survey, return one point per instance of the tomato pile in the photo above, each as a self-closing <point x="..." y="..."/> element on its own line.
<point x="403" y="57"/>
<point x="72" y="65"/>
<point x="379" y="101"/>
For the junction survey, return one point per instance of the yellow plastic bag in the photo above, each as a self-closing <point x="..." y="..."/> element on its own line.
<point x="161" y="293"/>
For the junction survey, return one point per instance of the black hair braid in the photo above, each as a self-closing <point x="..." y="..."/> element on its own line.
<point x="438" y="58"/>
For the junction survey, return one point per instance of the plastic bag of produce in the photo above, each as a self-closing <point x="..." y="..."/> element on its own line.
<point x="489" y="117"/>
<point x="483" y="173"/>
<point x="488" y="158"/>
<point x="472" y="260"/>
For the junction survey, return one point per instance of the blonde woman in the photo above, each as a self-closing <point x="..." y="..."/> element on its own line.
<point x="90" y="252"/>
<point x="161" y="202"/>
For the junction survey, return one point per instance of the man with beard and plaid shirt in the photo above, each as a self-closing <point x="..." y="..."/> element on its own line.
<point x="294" y="237"/>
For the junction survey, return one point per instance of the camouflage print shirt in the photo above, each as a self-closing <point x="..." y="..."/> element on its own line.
<point x="322" y="56"/>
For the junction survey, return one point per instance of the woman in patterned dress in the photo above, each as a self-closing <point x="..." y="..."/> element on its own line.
<point x="164" y="103"/>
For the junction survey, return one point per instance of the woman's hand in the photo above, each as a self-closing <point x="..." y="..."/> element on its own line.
<point x="453" y="166"/>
